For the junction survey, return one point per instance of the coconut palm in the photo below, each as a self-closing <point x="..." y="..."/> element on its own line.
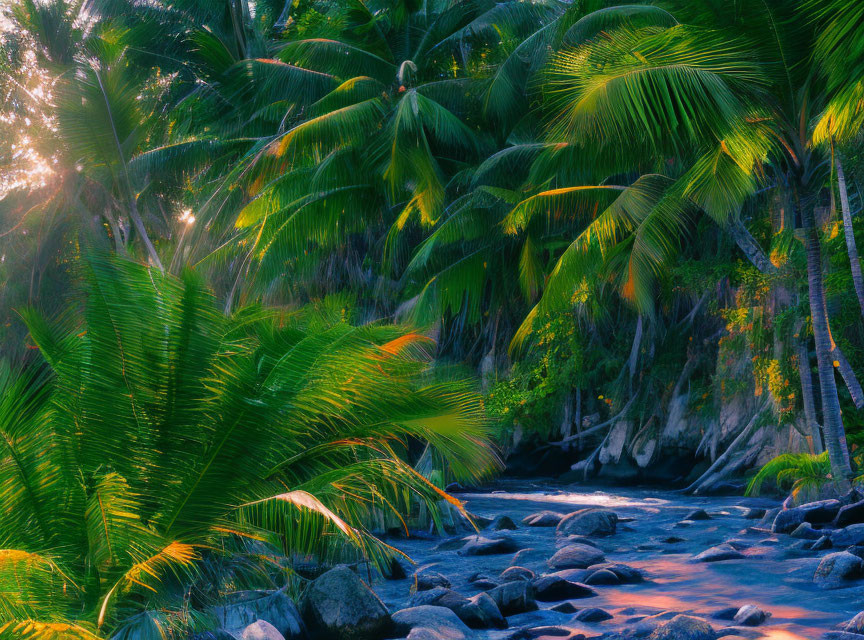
<point x="729" y="96"/>
<point x="162" y="432"/>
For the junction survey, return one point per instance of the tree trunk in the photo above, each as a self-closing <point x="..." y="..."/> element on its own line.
<point x="807" y="395"/>
<point x="748" y="245"/>
<point x="835" y="435"/>
<point x="849" y="232"/>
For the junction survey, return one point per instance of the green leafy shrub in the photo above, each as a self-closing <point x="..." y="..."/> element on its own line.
<point x="162" y="432"/>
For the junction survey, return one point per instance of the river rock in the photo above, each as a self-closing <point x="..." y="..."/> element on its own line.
<point x="848" y="536"/>
<point x="683" y="627"/>
<point x="553" y="588"/>
<point x="754" y="513"/>
<point x="423" y="581"/>
<point x="482" y="581"/>
<point x="837" y="568"/>
<point x="480" y="546"/>
<point x="821" y="512"/>
<point x="476" y="614"/>
<point x="565" y="607"/>
<point x="750" y="616"/>
<point x="719" y="553"/>
<point x="339" y="606"/>
<point x="805" y="532"/>
<point x="602" y="577"/>
<point x="626" y="574"/>
<point x="452" y="544"/>
<point x="395" y="570"/>
<point x="242" y="608"/>
<point x="261" y="630"/>
<point x="511" y="574"/>
<point x="787" y="520"/>
<point x="592" y="614"/>
<point x="488" y="608"/>
<point x="698" y="514"/>
<point x="502" y="523"/>
<point x="545" y="633"/>
<point x="576" y="556"/>
<point x="514" y="597"/>
<point x="850" y="514"/>
<point x="529" y="557"/>
<point x="438" y="618"/>
<point x="588" y="522"/>
<point x="855" y="625"/>
<point x="822" y="543"/>
<point x="543" y="519"/>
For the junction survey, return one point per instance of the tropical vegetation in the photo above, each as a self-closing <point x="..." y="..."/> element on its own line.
<point x="290" y="233"/>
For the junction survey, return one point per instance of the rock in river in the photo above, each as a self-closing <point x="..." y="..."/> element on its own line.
<point x="683" y="627"/>
<point x="588" y="522"/>
<point x="592" y="614"/>
<point x="339" y="606"/>
<point x="719" y="553"/>
<point x="426" y="616"/>
<point x="543" y="519"/>
<point x="245" y="607"/>
<point x="426" y="580"/>
<point x="514" y="597"/>
<point x="480" y="546"/>
<point x="575" y="556"/>
<point x="475" y="612"/>
<point x="837" y="568"/>
<point x="750" y="616"/>
<point x="510" y="574"/>
<point x="848" y="536"/>
<point x="553" y="588"/>
<point x="502" y="523"/>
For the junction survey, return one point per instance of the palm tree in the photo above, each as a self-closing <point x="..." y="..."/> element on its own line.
<point x="729" y="96"/>
<point x="163" y="432"/>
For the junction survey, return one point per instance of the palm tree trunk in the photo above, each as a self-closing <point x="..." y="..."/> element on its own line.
<point x="807" y="395"/>
<point x="849" y="232"/>
<point x="835" y="434"/>
<point x="748" y="245"/>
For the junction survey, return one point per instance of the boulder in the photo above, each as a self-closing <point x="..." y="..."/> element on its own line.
<point x="588" y="522"/>
<point x="754" y="514"/>
<point x="516" y="573"/>
<point x="514" y="597"/>
<point x="439" y="618"/>
<point x="529" y="557"/>
<point x="805" y="532"/>
<point x="553" y="588"/>
<point x="592" y="614"/>
<point x="480" y="546"/>
<point x="750" y="616"/>
<point x="836" y="569"/>
<point x="626" y="574"/>
<point x="821" y="512"/>
<point x="855" y="625"/>
<point x="543" y="519"/>
<point x="719" y="553"/>
<point x="423" y="581"/>
<point x="482" y="581"/>
<point x="602" y="577"/>
<point x="502" y="523"/>
<point x="822" y="543"/>
<point x="848" y="536"/>
<point x="850" y="514"/>
<point x="452" y="544"/>
<point x="727" y="613"/>
<point x="698" y="514"/>
<point x="787" y="520"/>
<point x="545" y="633"/>
<point x="261" y="630"/>
<point x="565" y="607"/>
<point x="576" y="556"/>
<point x="489" y="612"/>
<point x="340" y="606"/>
<point x="476" y="614"/>
<point x="242" y="608"/>
<point x="683" y="627"/>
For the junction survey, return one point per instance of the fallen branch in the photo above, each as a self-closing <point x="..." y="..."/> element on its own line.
<point x="742" y="437"/>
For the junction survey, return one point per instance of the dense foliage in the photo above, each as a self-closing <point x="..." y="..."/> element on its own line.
<point x="636" y="221"/>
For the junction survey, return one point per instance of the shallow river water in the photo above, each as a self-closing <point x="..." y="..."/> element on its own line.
<point x="773" y="576"/>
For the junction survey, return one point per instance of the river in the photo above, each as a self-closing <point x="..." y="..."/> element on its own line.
<point x="773" y="575"/>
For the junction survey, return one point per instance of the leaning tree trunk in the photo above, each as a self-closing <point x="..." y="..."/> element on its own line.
<point x="835" y="435"/>
<point x="849" y="232"/>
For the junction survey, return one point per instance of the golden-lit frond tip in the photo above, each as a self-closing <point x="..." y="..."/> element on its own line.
<point x="35" y="630"/>
<point x="413" y="344"/>
<point x="176" y="557"/>
<point x="306" y="500"/>
<point x="843" y="118"/>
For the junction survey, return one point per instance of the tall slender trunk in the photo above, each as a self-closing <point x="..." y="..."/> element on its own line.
<point x="748" y="245"/>
<point x="807" y="395"/>
<point x="849" y="232"/>
<point x="835" y="434"/>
